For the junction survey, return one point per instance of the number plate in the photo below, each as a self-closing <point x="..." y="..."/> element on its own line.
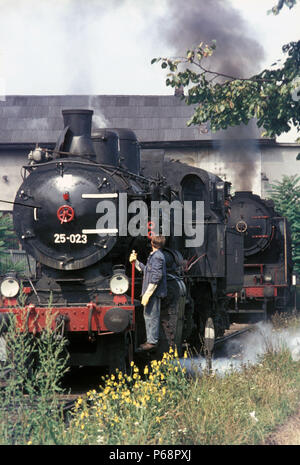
<point x="72" y="238"/>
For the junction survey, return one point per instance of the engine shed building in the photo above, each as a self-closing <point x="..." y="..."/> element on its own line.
<point x="238" y="155"/>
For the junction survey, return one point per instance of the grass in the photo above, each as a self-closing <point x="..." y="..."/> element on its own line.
<point x="165" y="407"/>
<point x="159" y="404"/>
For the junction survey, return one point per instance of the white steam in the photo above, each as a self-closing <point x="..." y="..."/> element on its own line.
<point x="98" y="119"/>
<point x="249" y="348"/>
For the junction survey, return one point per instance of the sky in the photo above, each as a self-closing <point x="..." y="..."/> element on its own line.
<point x="56" y="47"/>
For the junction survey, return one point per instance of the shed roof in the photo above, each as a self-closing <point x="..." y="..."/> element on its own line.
<point x="38" y="118"/>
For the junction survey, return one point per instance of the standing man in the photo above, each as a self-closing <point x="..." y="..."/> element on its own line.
<point x="153" y="289"/>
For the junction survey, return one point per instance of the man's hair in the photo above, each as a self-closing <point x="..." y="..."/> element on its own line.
<point x="158" y="241"/>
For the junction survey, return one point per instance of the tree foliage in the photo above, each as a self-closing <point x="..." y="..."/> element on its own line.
<point x="272" y="96"/>
<point x="8" y="240"/>
<point x="6" y="233"/>
<point x="286" y="196"/>
<point x="276" y="9"/>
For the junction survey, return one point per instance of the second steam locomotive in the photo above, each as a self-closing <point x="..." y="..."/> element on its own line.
<point x="267" y="258"/>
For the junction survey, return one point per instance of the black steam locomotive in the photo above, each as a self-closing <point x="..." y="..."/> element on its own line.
<point x="73" y="213"/>
<point x="268" y="259"/>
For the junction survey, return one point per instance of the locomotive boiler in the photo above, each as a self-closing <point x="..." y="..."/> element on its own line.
<point x="78" y="213"/>
<point x="267" y="258"/>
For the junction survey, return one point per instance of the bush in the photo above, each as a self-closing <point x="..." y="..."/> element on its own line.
<point x="286" y="196"/>
<point x="29" y="411"/>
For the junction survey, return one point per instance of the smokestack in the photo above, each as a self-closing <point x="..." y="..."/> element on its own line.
<point x="76" y="137"/>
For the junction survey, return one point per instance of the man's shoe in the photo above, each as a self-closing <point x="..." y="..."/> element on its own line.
<point x="146" y="346"/>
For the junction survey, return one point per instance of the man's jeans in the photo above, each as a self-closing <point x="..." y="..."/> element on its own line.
<point x="151" y="316"/>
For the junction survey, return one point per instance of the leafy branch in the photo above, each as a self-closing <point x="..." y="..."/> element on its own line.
<point x="222" y="100"/>
<point x="277" y="8"/>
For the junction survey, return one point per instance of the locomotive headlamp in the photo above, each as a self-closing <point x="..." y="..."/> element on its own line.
<point x="220" y="186"/>
<point x="10" y="286"/>
<point x="119" y="283"/>
<point x="38" y="155"/>
<point x="268" y="277"/>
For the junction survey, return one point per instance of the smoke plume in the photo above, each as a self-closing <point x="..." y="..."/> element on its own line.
<point x="238" y="54"/>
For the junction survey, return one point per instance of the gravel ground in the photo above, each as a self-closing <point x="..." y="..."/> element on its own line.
<point x="287" y="434"/>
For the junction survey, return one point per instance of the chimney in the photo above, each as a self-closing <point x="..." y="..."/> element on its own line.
<point x="76" y="136"/>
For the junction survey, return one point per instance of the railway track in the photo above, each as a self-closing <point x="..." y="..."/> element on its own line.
<point x="66" y="401"/>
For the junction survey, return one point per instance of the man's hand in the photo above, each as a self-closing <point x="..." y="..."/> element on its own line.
<point x="145" y="299"/>
<point x="149" y="291"/>
<point x="133" y="256"/>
